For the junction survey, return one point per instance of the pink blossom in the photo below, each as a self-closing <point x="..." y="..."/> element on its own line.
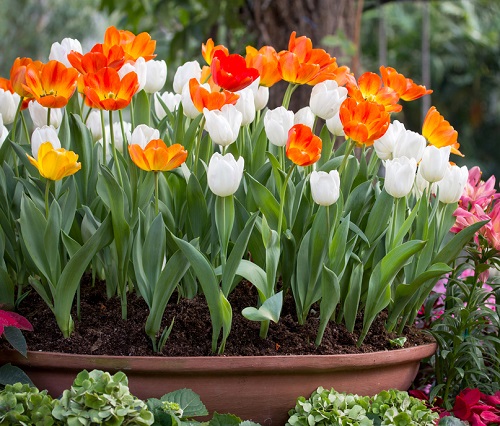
<point x="478" y="192"/>
<point x="492" y="231"/>
<point x="473" y="406"/>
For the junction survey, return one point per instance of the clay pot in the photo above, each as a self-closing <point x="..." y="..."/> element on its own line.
<point x="261" y="388"/>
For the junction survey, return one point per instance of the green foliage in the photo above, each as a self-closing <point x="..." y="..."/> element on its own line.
<point x="99" y="398"/>
<point x="22" y="404"/>
<point x="328" y="407"/>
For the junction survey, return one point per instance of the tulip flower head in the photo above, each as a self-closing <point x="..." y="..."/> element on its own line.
<point x="410" y="144"/>
<point x="231" y="72"/>
<point x="134" y="46"/>
<point x="38" y="114"/>
<point x="335" y="125"/>
<point x="399" y="176"/>
<point x="224" y="174"/>
<point x="202" y="97"/>
<point x="440" y="132"/>
<point x="304" y="116"/>
<point x="246" y="105"/>
<point x="51" y="84"/>
<point x="156" y="75"/>
<point x="325" y="187"/>
<point x="55" y="163"/>
<point x="169" y="99"/>
<point x="265" y="61"/>
<point x="404" y="87"/>
<point x="41" y="135"/>
<point x="59" y="51"/>
<point x="223" y="126"/>
<point x="434" y="163"/>
<point x="8" y="105"/>
<point x="384" y="146"/>
<point x="277" y="123"/>
<point x="157" y="157"/>
<point x="208" y="50"/>
<point x="143" y="134"/>
<point x="303" y="147"/>
<point x="370" y="88"/>
<point x="452" y="186"/>
<point x="326" y="98"/>
<point x="18" y="75"/>
<point x="184" y="73"/>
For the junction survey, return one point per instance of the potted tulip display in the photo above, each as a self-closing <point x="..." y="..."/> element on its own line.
<point x="203" y="190"/>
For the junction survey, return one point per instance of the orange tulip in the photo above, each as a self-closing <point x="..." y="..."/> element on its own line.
<point x="404" y="87"/>
<point x="18" y="75"/>
<point x="202" y="98"/>
<point x="52" y="85"/>
<point x="157" y="157"/>
<point x="54" y="164"/>
<point x="363" y="122"/>
<point x="208" y="50"/>
<point x="133" y="46"/>
<point x="369" y="87"/>
<point x="302" y="146"/>
<point x="105" y="90"/>
<point x="440" y="132"/>
<point x="265" y="61"/>
<point x="301" y="64"/>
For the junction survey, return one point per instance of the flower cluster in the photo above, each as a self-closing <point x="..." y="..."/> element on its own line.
<point x="203" y="186"/>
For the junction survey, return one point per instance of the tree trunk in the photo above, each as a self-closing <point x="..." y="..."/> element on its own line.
<point x="274" y="20"/>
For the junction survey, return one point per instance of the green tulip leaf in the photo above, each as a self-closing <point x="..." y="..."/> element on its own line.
<point x="270" y="310"/>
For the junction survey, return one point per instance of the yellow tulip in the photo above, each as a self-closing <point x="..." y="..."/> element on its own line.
<point x="54" y="164"/>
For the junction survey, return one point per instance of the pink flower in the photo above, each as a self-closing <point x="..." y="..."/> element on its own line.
<point x="492" y="231"/>
<point x="470" y="405"/>
<point x="11" y="319"/>
<point x="478" y="192"/>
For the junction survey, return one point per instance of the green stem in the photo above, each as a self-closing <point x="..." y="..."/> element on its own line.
<point x="48" y="116"/>
<point x="47" y="192"/>
<point x="18" y="111"/>
<point x="288" y="94"/>
<point x="281" y="153"/>
<point x="82" y="105"/>
<point x="282" y="198"/>
<point x="104" y="141"/>
<point x="264" y="329"/>
<point x="157" y="178"/>
<point x="132" y="119"/>
<point x="348" y="151"/>
<point x="198" y="145"/>
<point x="113" y="147"/>
<point x="25" y="127"/>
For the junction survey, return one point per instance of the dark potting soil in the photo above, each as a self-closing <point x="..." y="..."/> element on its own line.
<point x="101" y="331"/>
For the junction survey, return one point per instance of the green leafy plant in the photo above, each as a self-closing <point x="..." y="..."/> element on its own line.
<point x="22" y="404"/>
<point x="328" y="407"/>
<point x="100" y="398"/>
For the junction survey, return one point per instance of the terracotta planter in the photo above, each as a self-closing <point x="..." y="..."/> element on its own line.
<point x="259" y="388"/>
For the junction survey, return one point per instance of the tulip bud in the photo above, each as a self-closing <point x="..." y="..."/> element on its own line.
<point x="94" y="125"/>
<point x="143" y="134"/>
<point x="325" y="187"/>
<point x="326" y="98"/>
<point x="139" y="67"/>
<point x="384" y="146"/>
<point x="187" y="102"/>
<point x="304" y="116"/>
<point x="410" y="144"/>
<point x="260" y="94"/>
<point x="42" y="135"/>
<point x="185" y="73"/>
<point x="171" y="101"/>
<point x="335" y="126"/>
<point x="277" y="123"/>
<point x="224" y="174"/>
<point x="245" y="104"/>
<point x="434" y="163"/>
<point x="452" y="186"/>
<point x="60" y="51"/>
<point x="38" y="114"/>
<point x="8" y="105"/>
<point x="223" y="126"/>
<point x="156" y="75"/>
<point x="399" y="176"/>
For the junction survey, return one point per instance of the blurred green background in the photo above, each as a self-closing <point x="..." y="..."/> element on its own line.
<point x="452" y="46"/>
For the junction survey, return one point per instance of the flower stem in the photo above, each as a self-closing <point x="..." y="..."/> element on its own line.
<point x="113" y="147"/>
<point x="348" y="151"/>
<point x="157" y="178"/>
<point x="198" y="145"/>
<point x="282" y="198"/>
<point x="288" y="94"/>
<point x="48" y="116"/>
<point x="104" y="142"/>
<point x="47" y="192"/>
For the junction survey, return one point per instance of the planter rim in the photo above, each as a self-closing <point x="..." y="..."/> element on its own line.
<point x="225" y="364"/>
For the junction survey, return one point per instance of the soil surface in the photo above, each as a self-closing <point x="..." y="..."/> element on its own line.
<point x="101" y="331"/>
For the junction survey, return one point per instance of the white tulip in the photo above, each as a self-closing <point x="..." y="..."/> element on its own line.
<point x="384" y="147"/>
<point x="3" y="131"/>
<point x="187" y="102"/>
<point x="335" y="126"/>
<point x="304" y="116"/>
<point x="277" y="123"/>
<point x="260" y="94"/>
<point x="326" y="98"/>
<point x="245" y="104"/>
<point x="156" y="75"/>
<point x="171" y="101"/>
<point x="140" y="68"/>
<point x="325" y="187"/>
<point x="94" y="125"/>
<point x="452" y="186"/>
<point x="42" y="135"/>
<point x="399" y="176"/>
<point x="60" y="51"/>
<point x="8" y="105"/>
<point x="185" y="73"/>
<point x="411" y="145"/>
<point x="38" y="114"/>
<point x="118" y="135"/>
<point x="224" y="174"/>
<point x="143" y="134"/>
<point x="434" y="163"/>
<point x="223" y="126"/>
